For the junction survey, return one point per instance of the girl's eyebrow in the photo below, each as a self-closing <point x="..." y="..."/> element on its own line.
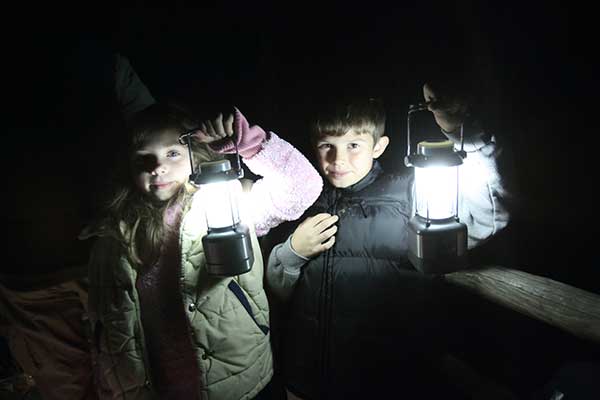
<point x="170" y="146"/>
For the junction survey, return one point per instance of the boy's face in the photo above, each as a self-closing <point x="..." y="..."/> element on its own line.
<point x="161" y="165"/>
<point x="346" y="159"/>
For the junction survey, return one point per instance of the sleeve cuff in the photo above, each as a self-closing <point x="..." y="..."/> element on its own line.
<point x="289" y="244"/>
<point x="473" y="141"/>
<point x="291" y="260"/>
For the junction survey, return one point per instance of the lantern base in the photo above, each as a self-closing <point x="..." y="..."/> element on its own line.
<point x="437" y="246"/>
<point x="228" y="253"/>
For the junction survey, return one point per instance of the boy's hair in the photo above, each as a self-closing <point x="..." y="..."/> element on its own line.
<point x="132" y="217"/>
<point x="362" y="115"/>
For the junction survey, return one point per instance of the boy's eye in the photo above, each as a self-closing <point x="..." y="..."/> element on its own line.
<point x="324" y="146"/>
<point x="173" y="153"/>
<point x="354" y="145"/>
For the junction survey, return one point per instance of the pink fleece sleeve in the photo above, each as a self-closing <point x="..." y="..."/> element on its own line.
<point x="289" y="185"/>
<point x="249" y="138"/>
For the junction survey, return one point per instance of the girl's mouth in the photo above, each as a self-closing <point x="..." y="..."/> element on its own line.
<point x="160" y="185"/>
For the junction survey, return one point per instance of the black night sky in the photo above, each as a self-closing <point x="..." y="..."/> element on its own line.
<point x="274" y="61"/>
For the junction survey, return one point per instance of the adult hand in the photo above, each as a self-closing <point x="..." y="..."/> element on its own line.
<point x="315" y="235"/>
<point x="448" y="110"/>
<point x="215" y="130"/>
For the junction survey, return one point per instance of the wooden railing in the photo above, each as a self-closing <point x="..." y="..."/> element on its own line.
<point x="560" y="305"/>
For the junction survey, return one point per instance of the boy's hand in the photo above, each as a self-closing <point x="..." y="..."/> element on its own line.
<point x="449" y="111"/>
<point x="217" y="129"/>
<point x="314" y="235"/>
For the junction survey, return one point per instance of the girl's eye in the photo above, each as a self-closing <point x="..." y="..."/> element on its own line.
<point x="143" y="162"/>
<point x="173" y="153"/>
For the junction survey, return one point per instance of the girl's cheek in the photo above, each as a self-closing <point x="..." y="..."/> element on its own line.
<point x="140" y="182"/>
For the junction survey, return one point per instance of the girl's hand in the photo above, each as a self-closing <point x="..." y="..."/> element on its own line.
<point x="217" y="129"/>
<point x="314" y="235"/>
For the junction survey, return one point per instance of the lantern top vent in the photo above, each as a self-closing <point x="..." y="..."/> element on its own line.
<point x="215" y="171"/>
<point x="435" y="154"/>
<point x="441" y="148"/>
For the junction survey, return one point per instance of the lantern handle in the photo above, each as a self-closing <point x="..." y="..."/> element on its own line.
<point x="413" y="108"/>
<point x="239" y="170"/>
<point x="462" y="152"/>
<point x="185" y="139"/>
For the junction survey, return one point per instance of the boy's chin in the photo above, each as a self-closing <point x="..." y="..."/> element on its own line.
<point x="340" y="183"/>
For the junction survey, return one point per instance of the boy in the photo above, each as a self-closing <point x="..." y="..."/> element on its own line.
<point x="357" y="308"/>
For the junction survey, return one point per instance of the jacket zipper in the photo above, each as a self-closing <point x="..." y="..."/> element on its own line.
<point x="325" y="301"/>
<point x="147" y="367"/>
<point x="181" y="277"/>
<point x="326" y="304"/>
<point x="146" y="361"/>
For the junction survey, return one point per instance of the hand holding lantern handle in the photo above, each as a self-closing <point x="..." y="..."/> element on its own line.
<point x="449" y="109"/>
<point x="244" y="139"/>
<point x="211" y="131"/>
<point x="231" y="134"/>
<point x="218" y="129"/>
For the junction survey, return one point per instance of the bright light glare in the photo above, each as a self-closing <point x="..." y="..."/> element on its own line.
<point x="220" y="202"/>
<point x="436" y="191"/>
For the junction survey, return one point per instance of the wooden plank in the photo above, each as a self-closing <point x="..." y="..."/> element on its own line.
<point x="566" y="307"/>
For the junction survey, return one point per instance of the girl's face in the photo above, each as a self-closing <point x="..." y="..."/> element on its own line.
<point x="161" y="165"/>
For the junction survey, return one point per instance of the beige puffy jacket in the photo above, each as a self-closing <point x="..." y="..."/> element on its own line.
<point x="233" y="354"/>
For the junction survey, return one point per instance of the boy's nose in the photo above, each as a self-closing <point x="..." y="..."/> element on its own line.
<point x="339" y="157"/>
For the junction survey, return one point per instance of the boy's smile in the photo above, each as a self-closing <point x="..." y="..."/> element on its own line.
<point x="346" y="159"/>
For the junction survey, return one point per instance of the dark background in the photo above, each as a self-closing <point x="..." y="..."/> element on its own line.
<point x="274" y="62"/>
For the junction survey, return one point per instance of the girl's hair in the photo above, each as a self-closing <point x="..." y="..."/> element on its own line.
<point x="134" y="218"/>
<point x="362" y="115"/>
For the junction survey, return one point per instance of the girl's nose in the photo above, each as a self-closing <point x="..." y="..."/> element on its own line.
<point x="159" y="170"/>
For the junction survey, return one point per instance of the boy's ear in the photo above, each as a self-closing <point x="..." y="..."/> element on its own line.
<point x="380" y="146"/>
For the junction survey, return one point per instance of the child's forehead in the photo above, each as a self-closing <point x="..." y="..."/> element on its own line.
<point x="158" y="139"/>
<point x="350" y="135"/>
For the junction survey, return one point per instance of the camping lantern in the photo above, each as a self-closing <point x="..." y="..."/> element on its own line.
<point x="227" y="244"/>
<point x="437" y="240"/>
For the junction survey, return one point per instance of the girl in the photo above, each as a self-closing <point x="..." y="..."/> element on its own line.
<point x="161" y="325"/>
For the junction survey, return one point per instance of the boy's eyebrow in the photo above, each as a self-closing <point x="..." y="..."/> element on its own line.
<point x="357" y="139"/>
